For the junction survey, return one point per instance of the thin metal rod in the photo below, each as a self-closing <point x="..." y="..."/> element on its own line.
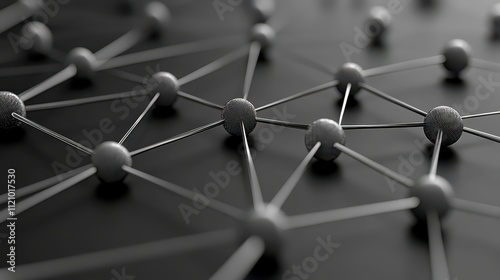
<point x="120" y="45"/>
<point x="218" y="206"/>
<point x="199" y="100"/>
<point x="344" y="104"/>
<point x="393" y="100"/>
<point x="299" y="58"/>
<point x="484" y="64"/>
<point x="178" y="137"/>
<point x="53" y="134"/>
<point x="258" y="200"/>
<point x="151" y="103"/>
<point x="167" y="52"/>
<point x="29" y="70"/>
<point x="482" y="134"/>
<point x="377" y="126"/>
<point x="300" y="94"/>
<point x="253" y="56"/>
<point x="283" y="123"/>
<point x="405" y="65"/>
<point x="375" y="166"/>
<point x="283" y="194"/>
<point x="44" y="184"/>
<point x="62" y="76"/>
<point x="239" y="265"/>
<point x="213" y="66"/>
<point x="476" y="208"/>
<point x="119" y="256"/>
<point x="47" y="193"/>
<point x="439" y="265"/>
<point x="435" y="155"/>
<point x="16" y="13"/>
<point x="81" y="101"/>
<point x="127" y="76"/>
<point x="336" y="215"/>
<point x="481" y="115"/>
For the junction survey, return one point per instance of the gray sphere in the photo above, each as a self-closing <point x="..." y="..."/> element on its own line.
<point x="158" y="18"/>
<point x="262" y="10"/>
<point x="350" y="73"/>
<point x="495" y="19"/>
<point x="434" y="195"/>
<point x="446" y="119"/>
<point x="328" y="132"/>
<point x="378" y="22"/>
<point x="37" y="38"/>
<point x="167" y="85"/>
<point x="456" y="53"/>
<point x="108" y="158"/>
<point x="10" y="103"/>
<point x="264" y="34"/>
<point x="268" y="226"/>
<point x="237" y="111"/>
<point x="85" y="62"/>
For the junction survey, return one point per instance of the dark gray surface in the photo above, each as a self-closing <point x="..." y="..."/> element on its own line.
<point x="84" y="219"/>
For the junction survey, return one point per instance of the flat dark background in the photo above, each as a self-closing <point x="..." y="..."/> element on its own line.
<point x="382" y="247"/>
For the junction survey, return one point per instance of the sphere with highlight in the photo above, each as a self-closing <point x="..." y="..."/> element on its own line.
<point x="239" y="111"/>
<point x="378" y="22"/>
<point x="167" y="85"/>
<point x="262" y="10"/>
<point x="350" y="73"/>
<point x="9" y="104"/>
<point x="456" y="56"/>
<point x="37" y="38"/>
<point x="269" y="227"/>
<point x="434" y="195"/>
<point x="84" y="61"/>
<point x="328" y="132"/>
<point x="108" y="158"/>
<point x="158" y="18"/>
<point x="495" y="20"/>
<point x="264" y="34"/>
<point x="446" y="119"/>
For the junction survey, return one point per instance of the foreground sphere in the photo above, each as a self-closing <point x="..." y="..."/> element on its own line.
<point x="37" y="38"/>
<point x="158" y="17"/>
<point x="10" y="103"/>
<point x="167" y="85"/>
<point x="328" y="132"/>
<point x="263" y="9"/>
<point x="108" y="158"/>
<point x="85" y="62"/>
<point x="350" y="73"/>
<point x="237" y="111"/>
<point x="269" y="227"/>
<point x="264" y="34"/>
<point x="434" y="195"/>
<point x="446" y="119"/>
<point x="378" y="22"/>
<point x="456" y="53"/>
